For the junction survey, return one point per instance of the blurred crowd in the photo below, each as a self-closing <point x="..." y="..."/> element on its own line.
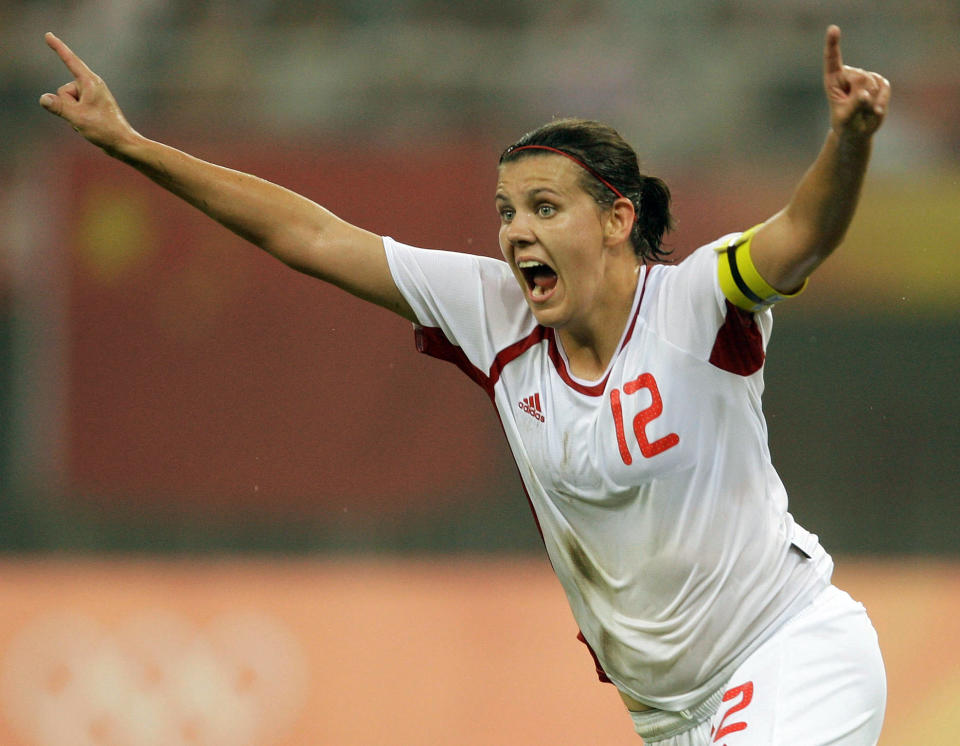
<point x="688" y="80"/>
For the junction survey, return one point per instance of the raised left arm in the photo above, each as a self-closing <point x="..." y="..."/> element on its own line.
<point x="794" y="242"/>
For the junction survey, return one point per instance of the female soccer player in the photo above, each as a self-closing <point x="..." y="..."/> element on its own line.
<point x="629" y="392"/>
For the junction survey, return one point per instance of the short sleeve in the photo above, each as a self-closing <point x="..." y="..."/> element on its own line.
<point x="691" y="311"/>
<point x="474" y="301"/>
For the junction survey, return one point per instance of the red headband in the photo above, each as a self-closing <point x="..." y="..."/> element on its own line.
<point x="576" y="160"/>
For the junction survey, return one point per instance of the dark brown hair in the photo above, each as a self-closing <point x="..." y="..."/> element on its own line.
<point x="609" y="156"/>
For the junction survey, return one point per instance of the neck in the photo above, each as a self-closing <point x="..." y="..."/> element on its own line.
<point x="591" y="345"/>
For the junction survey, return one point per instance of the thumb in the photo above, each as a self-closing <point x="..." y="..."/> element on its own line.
<point x="51" y="103"/>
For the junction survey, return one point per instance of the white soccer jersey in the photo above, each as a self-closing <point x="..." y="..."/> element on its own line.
<point x="653" y="487"/>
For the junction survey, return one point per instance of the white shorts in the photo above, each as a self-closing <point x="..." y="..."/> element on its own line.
<point x="818" y="680"/>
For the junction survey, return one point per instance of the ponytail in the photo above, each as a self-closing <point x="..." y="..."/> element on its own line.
<point x="653" y="218"/>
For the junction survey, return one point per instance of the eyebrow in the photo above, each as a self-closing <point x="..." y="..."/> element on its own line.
<point x="530" y="194"/>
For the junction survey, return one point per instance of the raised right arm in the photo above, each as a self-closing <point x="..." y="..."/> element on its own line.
<point x="297" y="231"/>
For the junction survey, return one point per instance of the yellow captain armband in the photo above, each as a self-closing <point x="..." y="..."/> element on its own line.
<point x="739" y="280"/>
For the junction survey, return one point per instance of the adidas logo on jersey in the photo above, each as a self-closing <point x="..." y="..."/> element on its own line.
<point x="531" y="405"/>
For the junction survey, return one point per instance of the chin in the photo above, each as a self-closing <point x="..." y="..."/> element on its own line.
<point x="549" y="317"/>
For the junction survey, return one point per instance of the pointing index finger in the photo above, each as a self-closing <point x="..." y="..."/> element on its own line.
<point x="832" y="61"/>
<point x="74" y="64"/>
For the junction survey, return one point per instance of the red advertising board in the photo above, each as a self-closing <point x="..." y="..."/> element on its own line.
<point x="203" y="372"/>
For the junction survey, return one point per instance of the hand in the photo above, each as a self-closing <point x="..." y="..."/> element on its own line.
<point x="86" y="102"/>
<point x="858" y="99"/>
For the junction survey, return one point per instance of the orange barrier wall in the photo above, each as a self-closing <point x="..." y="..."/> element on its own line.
<point x="300" y="653"/>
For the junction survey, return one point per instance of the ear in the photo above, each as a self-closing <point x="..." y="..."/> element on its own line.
<point x="618" y="222"/>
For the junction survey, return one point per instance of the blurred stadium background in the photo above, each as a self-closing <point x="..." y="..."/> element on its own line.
<point x="237" y="507"/>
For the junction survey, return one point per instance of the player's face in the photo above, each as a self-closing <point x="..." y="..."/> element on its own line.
<point x="551" y="234"/>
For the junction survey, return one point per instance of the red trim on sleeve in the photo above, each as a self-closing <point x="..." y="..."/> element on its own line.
<point x="738" y="347"/>
<point x="433" y="342"/>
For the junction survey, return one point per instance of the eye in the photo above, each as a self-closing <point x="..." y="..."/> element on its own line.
<point x="506" y="214"/>
<point x="546" y="210"/>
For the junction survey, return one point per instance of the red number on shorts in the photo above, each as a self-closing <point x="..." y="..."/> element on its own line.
<point x="640" y="421"/>
<point x="746" y="690"/>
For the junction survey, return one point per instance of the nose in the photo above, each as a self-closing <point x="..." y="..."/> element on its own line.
<point x="519" y="232"/>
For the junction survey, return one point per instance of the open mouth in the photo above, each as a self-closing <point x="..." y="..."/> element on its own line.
<point x="541" y="278"/>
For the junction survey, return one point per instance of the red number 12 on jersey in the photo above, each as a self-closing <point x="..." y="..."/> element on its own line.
<point x="640" y="421"/>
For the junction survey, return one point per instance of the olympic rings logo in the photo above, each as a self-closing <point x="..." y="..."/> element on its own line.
<point x="153" y="680"/>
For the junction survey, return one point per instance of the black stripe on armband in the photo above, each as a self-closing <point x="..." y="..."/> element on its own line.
<point x="738" y="278"/>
